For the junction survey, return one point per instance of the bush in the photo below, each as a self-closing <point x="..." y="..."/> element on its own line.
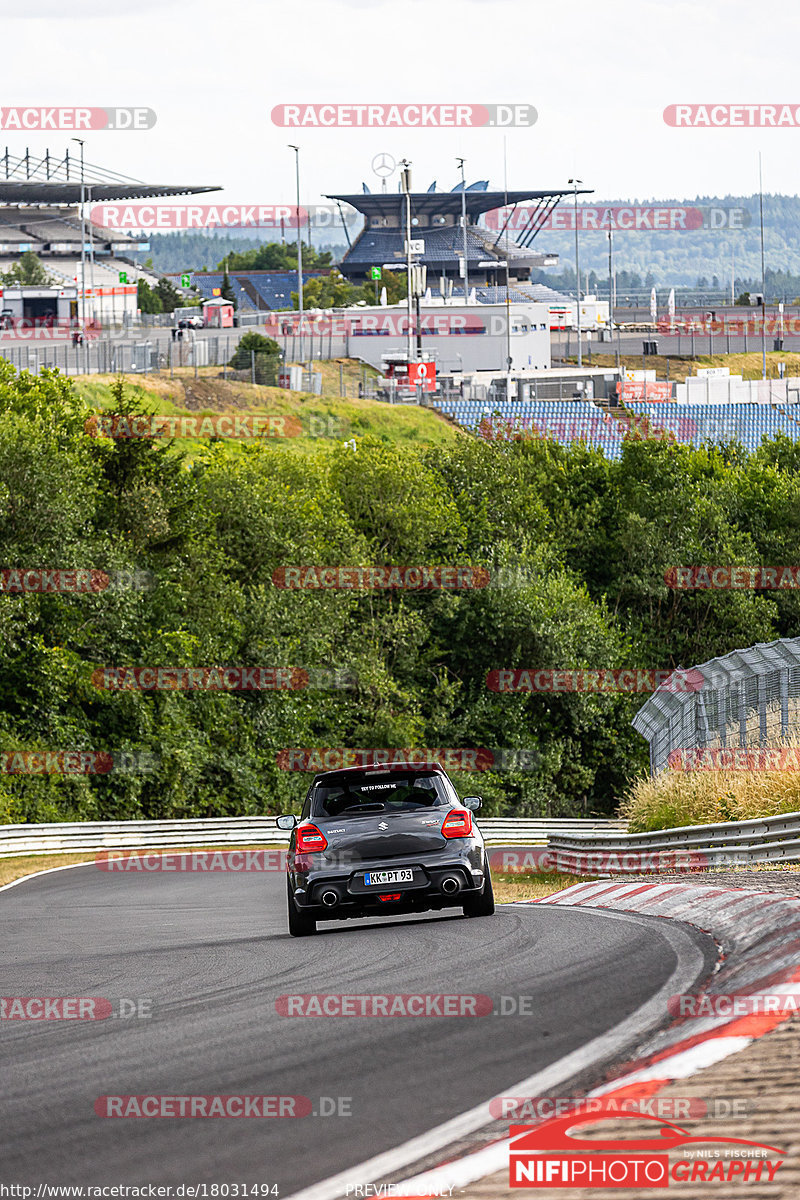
<point x="250" y="342"/>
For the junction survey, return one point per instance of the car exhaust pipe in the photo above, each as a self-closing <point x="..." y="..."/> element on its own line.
<point x="450" y="886"/>
<point x="330" y="899"/>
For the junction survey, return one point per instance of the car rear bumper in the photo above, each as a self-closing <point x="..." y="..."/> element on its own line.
<point x="341" y="894"/>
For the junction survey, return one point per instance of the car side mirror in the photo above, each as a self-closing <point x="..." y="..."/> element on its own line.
<point x="472" y="802"/>
<point x="287" y="822"/>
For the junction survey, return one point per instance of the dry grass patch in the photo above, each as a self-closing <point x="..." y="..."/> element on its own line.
<point x="749" y="366"/>
<point x="702" y="796"/>
<point x="532" y="886"/>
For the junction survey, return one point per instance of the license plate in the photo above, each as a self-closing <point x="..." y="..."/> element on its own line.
<point x="379" y="878"/>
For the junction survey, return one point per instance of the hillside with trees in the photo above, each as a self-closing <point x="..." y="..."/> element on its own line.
<point x="576" y="548"/>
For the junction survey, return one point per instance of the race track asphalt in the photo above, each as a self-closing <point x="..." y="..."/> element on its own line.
<point x="210" y="954"/>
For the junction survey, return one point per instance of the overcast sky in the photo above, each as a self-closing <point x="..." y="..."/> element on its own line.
<point x="598" y="74"/>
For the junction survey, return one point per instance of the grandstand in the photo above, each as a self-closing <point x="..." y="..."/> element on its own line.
<point x="742" y="422"/>
<point x="256" y="291"/>
<point x="582" y="421"/>
<point x="40" y="211"/>
<point x="261" y="291"/>
<point x="564" y="421"/>
<point x="436" y="219"/>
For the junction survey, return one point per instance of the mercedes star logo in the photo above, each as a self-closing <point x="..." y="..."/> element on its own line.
<point x="383" y="165"/>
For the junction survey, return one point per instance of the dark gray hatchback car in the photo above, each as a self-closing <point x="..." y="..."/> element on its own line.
<point x="375" y="841"/>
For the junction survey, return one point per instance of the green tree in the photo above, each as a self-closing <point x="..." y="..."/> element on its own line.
<point x="262" y="352"/>
<point x="147" y="299"/>
<point x="326" y="291"/>
<point x="276" y="256"/>
<point x="250" y="342"/>
<point x="169" y="295"/>
<point x="28" y="272"/>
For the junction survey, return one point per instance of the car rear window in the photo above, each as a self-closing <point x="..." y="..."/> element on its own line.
<point x="378" y="792"/>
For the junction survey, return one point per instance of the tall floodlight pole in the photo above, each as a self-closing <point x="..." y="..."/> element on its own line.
<point x="299" y="248"/>
<point x="575" y="183"/>
<point x="460" y="162"/>
<point x="406" y="185"/>
<point x="91" y="258"/>
<point x="610" y="279"/>
<point x="83" y="241"/>
<point x="763" y="277"/>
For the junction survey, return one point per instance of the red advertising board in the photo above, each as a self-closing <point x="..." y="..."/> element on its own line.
<point x="655" y="390"/>
<point x="424" y="374"/>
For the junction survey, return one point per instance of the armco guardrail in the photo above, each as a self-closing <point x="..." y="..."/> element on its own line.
<point x="242" y="831"/>
<point x="730" y="843"/>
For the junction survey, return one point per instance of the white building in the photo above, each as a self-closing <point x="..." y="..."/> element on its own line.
<point x="39" y="306"/>
<point x="458" y="336"/>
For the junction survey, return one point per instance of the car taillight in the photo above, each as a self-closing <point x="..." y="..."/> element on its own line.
<point x="457" y="824"/>
<point x="390" y="896"/>
<point x="309" y="839"/>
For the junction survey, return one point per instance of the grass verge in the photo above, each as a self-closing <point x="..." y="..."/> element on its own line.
<point x="326" y="420"/>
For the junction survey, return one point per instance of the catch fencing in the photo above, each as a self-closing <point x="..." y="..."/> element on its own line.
<point x="745" y="699"/>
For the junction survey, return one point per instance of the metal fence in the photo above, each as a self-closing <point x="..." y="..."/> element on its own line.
<point x="152" y="353"/>
<point x="144" y="354"/>
<point x="90" y="836"/>
<point x="691" y="344"/>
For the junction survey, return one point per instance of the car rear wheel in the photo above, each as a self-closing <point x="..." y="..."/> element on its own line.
<point x="300" y="924"/>
<point x="481" y="905"/>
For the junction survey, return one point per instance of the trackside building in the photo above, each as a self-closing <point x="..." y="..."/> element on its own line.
<point x="457" y="337"/>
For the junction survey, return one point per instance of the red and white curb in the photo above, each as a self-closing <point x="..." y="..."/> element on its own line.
<point x="759" y="933"/>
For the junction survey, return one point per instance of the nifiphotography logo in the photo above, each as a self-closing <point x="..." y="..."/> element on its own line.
<point x="546" y="1156"/>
